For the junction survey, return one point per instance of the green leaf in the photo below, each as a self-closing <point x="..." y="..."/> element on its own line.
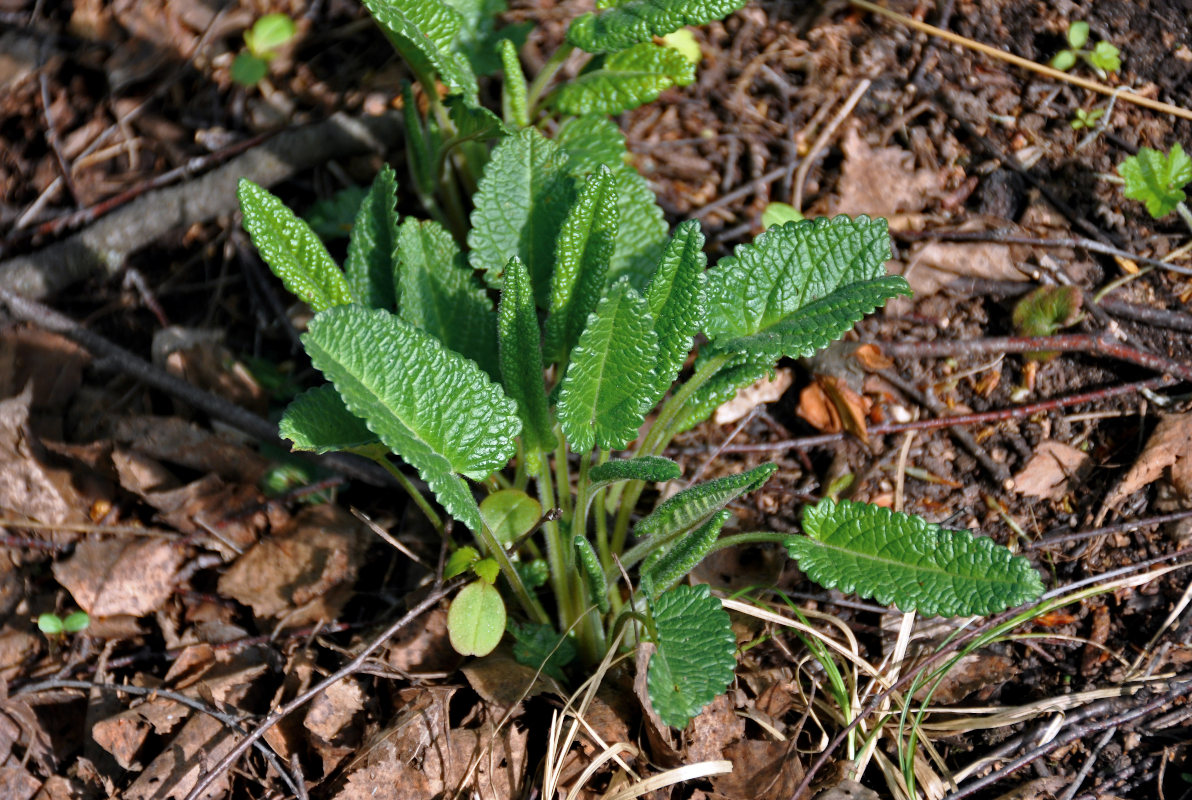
<point x="513" y="91"/>
<point x="370" y="265"/>
<point x="790" y="266"/>
<point x="778" y="213"/>
<point x="1064" y="60"/>
<point x="291" y="249"/>
<point x="696" y="655"/>
<point x="476" y="619"/>
<point x="478" y="35"/>
<point x="697" y="504"/>
<point x="76" y="621"/>
<point x="318" y="421"/>
<point x="1106" y="57"/>
<point x="473" y="123"/>
<point x="676" y="296"/>
<point x="510" y="514"/>
<point x="542" y="646"/>
<point x="586" y="241"/>
<point x="1157" y="179"/>
<point x="721" y="388"/>
<point x="909" y="562"/>
<point x="422" y="147"/>
<point x="460" y="561"/>
<point x="533" y="573"/>
<point x="682" y="557"/>
<point x="269" y="33"/>
<point x="440" y="294"/>
<point x="607" y="387"/>
<point x="639" y="20"/>
<point x="487" y="569"/>
<point x="431" y="406"/>
<point x="332" y="217"/>
<point x="520" y="344"/>
<point x="1046" y="310"/>
<point x="1078" y="34"/>
<point x="683" y="41"/>
<point x="50" y="624"/>
<point x="817" y="324"/>
<point x="423" y="32"/>
<point x="520" y="205"/>
<point x="623" y="81"/>
<point x="589" y="563"/>
<point x="653" y="469"/>
<point x="642" y="232"/>
<point x="249" y="70"/>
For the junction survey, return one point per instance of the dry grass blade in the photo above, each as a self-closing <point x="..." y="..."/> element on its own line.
<point x="688" y="772"/>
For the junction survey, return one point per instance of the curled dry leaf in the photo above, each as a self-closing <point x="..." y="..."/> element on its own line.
<point x="881" y="181"/>
<point x="1167" y="453"/>
<point x="1050" y="472"/>
<point x="828" y="404"/>
<point x="760" y="392"/>
<point x="29" y="485"/>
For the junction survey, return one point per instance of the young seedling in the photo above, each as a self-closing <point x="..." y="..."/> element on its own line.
<point x="1086" y="119"/>
<point x="536" y="403"/>
<point x="1158" y="180"/>
<point x="261" y="43"/>
<point x="1104" y="58"/>
<point x="57" y="628"/>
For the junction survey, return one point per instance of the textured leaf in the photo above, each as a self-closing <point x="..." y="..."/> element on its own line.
<point x="318" y="420"/>
<point x="513" y="90"/>
<point x="333" y="217"/>
<point x="817" y="324"/>
<point x="477" y="37"/>
<point x="1157" y="179"/>
<point x="521" y="358"/>
<point x="696" y="653"/>
<point x="510" y="514"/>
<point x="909" y="562"/>
<point x="654" y="469"/>
<point x="542" y="646"/>
<point x="589" y="564"/>
<point x="370" y="265"/>
<point x="432" y="407"/>
<point x="639" y="20"/>
<point x="424" y="33"/>
<point x="476" y="619"/>
<point x="697" y="504"/>
<point x="473" y="122"/>
<point x="721" y="388"/>
<point x="683" y="556"/>
<point x="789" y="266"/>
<point x="422" y="147"/>
<point x="676" y="298"/>
<point x="585" y="246"/>
<point x="291" y="249"/>
<point x="607" y="386"/>
<point x="624" y="80"/>
<point x="520" y="205"/>
<point x="440" y="294"/>
<point x="594" y="141"/>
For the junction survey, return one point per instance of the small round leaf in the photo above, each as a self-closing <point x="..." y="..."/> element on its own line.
<point x="1078" y="34"/>
<point x="248" y="70"/>
<point x="459" y="561"/>
<point x="269" y="33"/>
<point x="476" y="619"/>
<point x="510" y="513"/>
<point x="78" y="621"/>
<point x="50" y="624"/>
<point x="487" y="569"/>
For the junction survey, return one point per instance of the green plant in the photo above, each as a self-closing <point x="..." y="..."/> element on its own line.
<point x="1103" y="57"/>
<point x="596" y="314"/>
<point x="1158" y="180"/>
<point x="1045" y="311"/>
<point x="57" y="627"/>
<point x="1086" y="119"/>
<point x="261" y="43"/>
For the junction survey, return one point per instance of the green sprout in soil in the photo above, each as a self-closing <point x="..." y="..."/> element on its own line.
<point x="1086" y="119"/>
<point x="1158" y="180"/>
<point x="1104" y="58"/>
<point x="56" y="627"/>
<point x="510" y="348"/>
<point x="261" y="43"/>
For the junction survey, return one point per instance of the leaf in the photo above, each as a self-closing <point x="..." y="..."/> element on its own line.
<point x="520" y="347"/>
<point x="790" y="266"/>
<point x="76" y="621"/>
<point x="585" y="246"/>
<point x="332" y="217"/>
<point x="487" y="569"/>
<point x="719" y="389"/>
<point x="1106" y="57"/>
<point x="269" y="33"/>
<point x="473" y="123"/>
<point x="817" y="324"/>
<point x="440" y="294"/>
<point x="639" y="20"/>
<point x="50" y="624"/>
<point x="676" y="296"/>
<point x="642" y="232"/>
<point x="318" y="420"/>
<point x="510" y="514"/>
<point x="422" y="147"/>
<point x="1078" y="34"/>
<point x="624" y="81"/>
<point x="370" y="265"/>
<point x="520" y="205"/>
<point x="478" y="35"/>
<point x="778" y="213"/>
<point x="593" y="573"/>
<point x="476" y="619"/>
<point x="696" y="653"/>
<point x="653" y="469"/>
<point x="1046" y="310"/>
<point x="513" y="91"/>
<point x="460" y="561"/>
<point x="684" y="42"/>
<point x="1064" y="60"/>
<point x="607" y="386"/>
<point x="432" y="407"/>
<point x="542" y="646"/>
<point x="1157" y="179"/>
<point x="291" y="249"/>
<point x="423" y="32"/>
<point x="249" y="70"/>
<point x="695" y="505"/>
<point x="683" y="556"/>
<point x="909" y="562"/>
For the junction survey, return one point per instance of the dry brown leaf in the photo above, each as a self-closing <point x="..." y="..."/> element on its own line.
<point x="18" y="644"/>
<point x="330" y="722"/>
<point x="51" y="362"/>
<point x="762" y="770"/>
<point x="209" y="506"/>
<point x="828" y="404"/>
<point x="17" y="784"/>
<point x="971" y="673"/>
<point x="933" y="265"/>
<point x="177" y="441"/>
<point x="871" y="358"/>
<point x="30" y="487"/>
<point x="760" y="392"/>
<point x="1169" y="448"/>
<point x="503" y="683"/>
<point x="423" y="646"/>
<point x="140" y="474"/>
<point x="713" y="729"/>
<point x="663" y="746"/>
<point x="201" y="743"/>
<point x="312" y="565"/>
<point x="131" y="576"/>
<point x="198" y="357"/>
<point x="1050" y="470"/>
<point x="848" y="790"/>
<point x="881" y="181"/>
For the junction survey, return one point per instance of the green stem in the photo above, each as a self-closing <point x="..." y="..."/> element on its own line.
<point x="1186" y="215"/>
<point x="563" y="479"/>
<point x="751" y="537"/>
<point x="552" y="66"/>
<point x="419" y="500"/>
<point x="528" y="602"/>
<point x="554" y="551"/>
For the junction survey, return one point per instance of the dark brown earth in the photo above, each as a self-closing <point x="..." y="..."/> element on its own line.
<point x="238" y="605"/>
